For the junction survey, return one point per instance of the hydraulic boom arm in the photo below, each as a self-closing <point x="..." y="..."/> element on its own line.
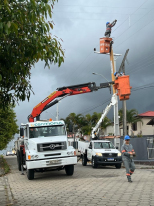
<point x="63" y="92"/>
<point x="95" y="130"/>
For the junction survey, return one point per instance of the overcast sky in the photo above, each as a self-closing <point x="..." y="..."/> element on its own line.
<point x="80" y="24"/>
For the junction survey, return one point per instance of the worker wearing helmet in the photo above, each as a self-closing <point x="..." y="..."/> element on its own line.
<point x="127" y="157"/>
<point x="108" y="28"/>
<point x="116" y="74"/>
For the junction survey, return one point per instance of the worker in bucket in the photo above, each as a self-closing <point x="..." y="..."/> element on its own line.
<point x="108" y="28"/>
<point x="127" y="157"/>
<point x="116" y="74"/>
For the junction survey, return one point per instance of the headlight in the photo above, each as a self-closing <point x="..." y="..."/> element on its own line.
<point x="119" y="154"/>
<point x="99" y="154"/>
<point x="36" y="156"/>
<point x="70" y="153"/>
<point x="32" y="157"/>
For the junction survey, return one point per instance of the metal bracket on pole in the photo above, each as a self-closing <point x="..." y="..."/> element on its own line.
<point x="122" y="67"/>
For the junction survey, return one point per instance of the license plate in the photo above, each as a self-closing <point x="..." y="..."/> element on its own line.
<point x="110" y="159"/>
<point x="53" y="162"/>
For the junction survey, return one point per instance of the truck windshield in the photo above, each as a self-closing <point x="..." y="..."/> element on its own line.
<point x="103" y="145"/>
<point x="47" y="131"/>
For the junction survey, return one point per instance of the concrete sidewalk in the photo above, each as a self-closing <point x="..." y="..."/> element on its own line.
<point x="6" y="198"/>
<point x="106" y="186"/>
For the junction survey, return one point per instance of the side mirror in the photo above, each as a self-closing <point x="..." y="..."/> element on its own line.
<point x="117" y="147"/>
<point x="21" y="131"/>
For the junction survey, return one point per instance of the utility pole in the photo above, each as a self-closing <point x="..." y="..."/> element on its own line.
<point x="57" y="116"/>
<point x="116" y="115"/>
<point x="122" y="68"/>
<point x="116" y="119"/>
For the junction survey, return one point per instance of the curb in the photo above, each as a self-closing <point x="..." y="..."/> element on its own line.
<point x="9" y="194"/>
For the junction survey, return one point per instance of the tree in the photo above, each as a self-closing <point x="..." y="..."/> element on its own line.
<point x="105" y="123"/>
<point x="25" y="39"/>
<point x="95" y="117"/>
<point x="8" y="126"/>
<point x="131" y="115"/>
<point x="85" y="123"/>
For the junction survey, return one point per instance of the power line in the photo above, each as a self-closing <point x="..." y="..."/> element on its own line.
<point x="99" y="6"/>
<point x="131" y="15"/>
<point x="107" y="100"/>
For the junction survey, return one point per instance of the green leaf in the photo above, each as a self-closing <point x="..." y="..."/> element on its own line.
<point x="8" y="24"/>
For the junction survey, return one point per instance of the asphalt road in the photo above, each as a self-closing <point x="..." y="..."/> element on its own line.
<point x="88" y="186"/>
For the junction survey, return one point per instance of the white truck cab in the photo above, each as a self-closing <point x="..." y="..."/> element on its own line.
<point x="44" y="146"/>
<point x="100" y="152"/>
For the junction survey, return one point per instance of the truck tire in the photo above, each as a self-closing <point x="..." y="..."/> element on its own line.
<point x="118" y="166"/>
<point x="69" y="169"/>
<point x="84" y="160"/>
<point x="94" y="165"/>
<point x="18" y="160"/>
<point x="30" y="174"/>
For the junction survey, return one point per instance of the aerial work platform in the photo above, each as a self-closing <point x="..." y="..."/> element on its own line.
<point x="123" y="87"/>
<point x="105" y="45"/>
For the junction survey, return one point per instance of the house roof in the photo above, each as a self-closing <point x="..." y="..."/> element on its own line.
<point x="147" y="114"/>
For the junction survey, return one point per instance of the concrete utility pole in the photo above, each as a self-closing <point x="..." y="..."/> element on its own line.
<point x="116" y="118"/>
<point x="113" y="70"/>
<point x="116" y="115"/>
<point x="122" y="68"/>
<point x="57" y="116"/>
<point x="124" y="118"/>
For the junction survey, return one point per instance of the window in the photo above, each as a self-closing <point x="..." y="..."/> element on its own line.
<point x="103" y="145"/>
<point x="134" y="126"/>
<point x="56" y="130"/>
<point x="90" y="145"/>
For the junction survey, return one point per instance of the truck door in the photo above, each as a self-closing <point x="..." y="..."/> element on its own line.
<point x="89" y="151"/>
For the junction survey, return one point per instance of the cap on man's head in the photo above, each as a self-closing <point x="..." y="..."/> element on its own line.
<point x="127" y="137"/>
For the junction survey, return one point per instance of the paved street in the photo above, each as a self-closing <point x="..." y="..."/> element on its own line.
<point x="88" y="186"/>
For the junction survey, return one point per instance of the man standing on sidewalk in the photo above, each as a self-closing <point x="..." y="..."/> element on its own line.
<point x="127" y="157"/>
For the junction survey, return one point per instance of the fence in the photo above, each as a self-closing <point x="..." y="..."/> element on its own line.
<point x="143" y="146"/>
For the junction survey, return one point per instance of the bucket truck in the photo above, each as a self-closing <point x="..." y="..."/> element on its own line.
<point x="100" y="152"/>
<point x="43" y="144"/>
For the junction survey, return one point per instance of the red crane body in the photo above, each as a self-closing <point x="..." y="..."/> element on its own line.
<point x="62" y="92"/>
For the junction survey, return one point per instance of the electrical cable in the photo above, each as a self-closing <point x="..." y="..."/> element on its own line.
<point x="114" y="30"/>
<point x="107" y="100"/>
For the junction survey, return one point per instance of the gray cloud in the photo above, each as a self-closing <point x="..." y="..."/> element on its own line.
<point x="80" y="24"/>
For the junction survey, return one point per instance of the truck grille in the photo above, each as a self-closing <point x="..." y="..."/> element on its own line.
<point x="51" y="146"/>
<point x="109" y="155"/>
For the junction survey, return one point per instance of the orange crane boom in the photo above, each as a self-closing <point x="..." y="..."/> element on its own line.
<point x="61" y="93"/>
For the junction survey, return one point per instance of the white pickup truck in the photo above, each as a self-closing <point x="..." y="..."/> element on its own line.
<point x="100" y="152"/>
<point x="43" y="146"/>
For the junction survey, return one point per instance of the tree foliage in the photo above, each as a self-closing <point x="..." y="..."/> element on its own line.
<point x="25" y="39"/>
<point x="85" y="123"/>
<point x="131" y="115"/>
<point x="8" y="126"/>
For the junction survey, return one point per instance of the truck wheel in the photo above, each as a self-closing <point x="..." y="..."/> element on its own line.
<point x="69" y="169"/>
<point x="18" y="160"/>
<point x="118" y="166"/>
<point x="84" y="160"/>
<point x="94" y="165"/>
<point x="30" y="174"/>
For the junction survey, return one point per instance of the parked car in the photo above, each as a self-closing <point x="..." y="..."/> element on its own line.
<point x="10" y="153"/>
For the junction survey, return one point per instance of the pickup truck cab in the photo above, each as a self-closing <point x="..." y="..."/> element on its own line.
<point x="100" y="152"/>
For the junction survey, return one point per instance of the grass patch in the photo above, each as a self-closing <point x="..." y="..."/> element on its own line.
<point x="4" y="165"/>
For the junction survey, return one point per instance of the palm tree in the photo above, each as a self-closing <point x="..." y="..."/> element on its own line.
<point x="105" y="123"/>
<point x="131" y="115"/>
